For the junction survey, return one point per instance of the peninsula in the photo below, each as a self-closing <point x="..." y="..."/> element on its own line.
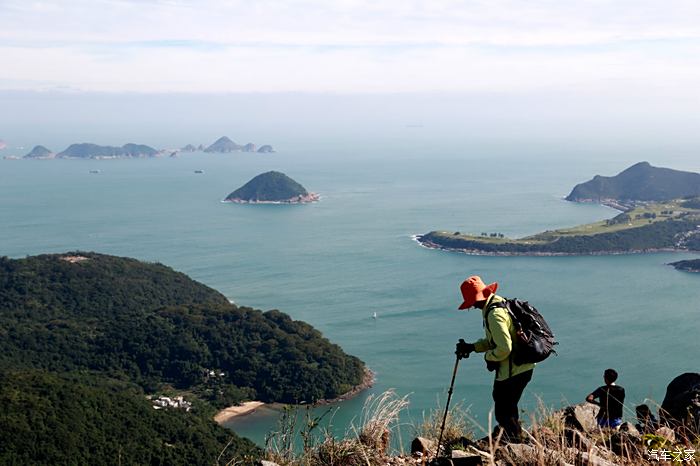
<point x="661" y="212"/>
<point x="692" y="265"/>
<point x="271" y="188"/>
<point x="144" y="356"/>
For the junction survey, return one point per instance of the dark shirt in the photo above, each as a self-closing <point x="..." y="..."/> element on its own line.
<point x="611" y="398"/>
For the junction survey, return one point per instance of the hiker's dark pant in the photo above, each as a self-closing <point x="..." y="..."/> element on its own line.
<point x="506" y="395"/>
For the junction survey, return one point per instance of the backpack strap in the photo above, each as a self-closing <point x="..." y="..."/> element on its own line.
<point x="501" y="304"/>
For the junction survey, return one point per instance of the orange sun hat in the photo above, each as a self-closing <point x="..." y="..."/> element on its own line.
<point x="473" y="290"/>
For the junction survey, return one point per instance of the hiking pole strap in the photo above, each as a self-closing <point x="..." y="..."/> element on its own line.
<point x="447" y="406"/>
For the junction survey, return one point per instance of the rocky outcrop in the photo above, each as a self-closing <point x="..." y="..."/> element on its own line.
<point x="266" y="149"/>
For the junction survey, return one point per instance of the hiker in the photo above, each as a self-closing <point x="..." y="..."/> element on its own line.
<point x="646" y="421"/>
<point x="610" y="397"/>
<point x="510" y="378"/>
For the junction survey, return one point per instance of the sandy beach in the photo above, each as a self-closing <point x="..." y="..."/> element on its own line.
<point x="229" y="413"/>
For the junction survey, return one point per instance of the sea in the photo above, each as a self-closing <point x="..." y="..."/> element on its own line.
<point x="350" y="266"/>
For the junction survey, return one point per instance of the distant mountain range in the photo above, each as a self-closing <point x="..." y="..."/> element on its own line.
<point x="271" y="187"/>
<point x="640" y="182"/>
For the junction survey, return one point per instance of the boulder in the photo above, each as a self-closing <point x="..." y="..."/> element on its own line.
<point x="626" y="445"/>
<point x="681" y="405"/>
<point x="581" y="417"/>
<point x="592" y="460"/>
<point x="629" y="428"/>
<point x="666" y="433"/>
<point x="267" y="463"/>
<point x="577" y="440"/>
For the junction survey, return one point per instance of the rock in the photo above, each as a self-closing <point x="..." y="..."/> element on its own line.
<point x="626" y="445"/>
<point x="267" y="463"/>
<point x="629" y="428"/>
<point x="422" y="445"/>
<point x="666" y="433"/>
<point x="593" y="460"/>
<point x="577" y="440"/>
<point x="581" y="417"/>
<point x="681" y="405"/>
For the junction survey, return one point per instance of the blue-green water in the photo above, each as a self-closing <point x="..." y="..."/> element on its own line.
<point x="336" y="262"/>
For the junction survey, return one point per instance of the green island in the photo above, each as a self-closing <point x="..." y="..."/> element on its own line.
<point x="653" y="226"/>
<point x="271" y="188"/>
<point x="90" y="344"/>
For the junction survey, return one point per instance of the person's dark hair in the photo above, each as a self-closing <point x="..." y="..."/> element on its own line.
<point x="643" y="410"/>
<point x="610" y="375"/>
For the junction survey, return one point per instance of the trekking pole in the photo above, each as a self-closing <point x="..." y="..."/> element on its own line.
<point x="447" y="404"/>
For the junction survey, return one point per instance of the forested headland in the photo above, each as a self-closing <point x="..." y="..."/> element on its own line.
<point x="86" y="337"/>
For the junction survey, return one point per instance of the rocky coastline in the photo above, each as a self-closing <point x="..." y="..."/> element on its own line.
<point x="479" y="252"/>
<point x="301" y="199"/>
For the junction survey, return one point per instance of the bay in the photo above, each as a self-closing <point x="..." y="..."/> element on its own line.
<point x="337" y="262"/>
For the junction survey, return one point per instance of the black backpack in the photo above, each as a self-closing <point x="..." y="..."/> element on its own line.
<point x="535" y="340"/>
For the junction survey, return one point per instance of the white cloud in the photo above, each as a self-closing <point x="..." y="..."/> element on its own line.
<point x="347" y="45"/>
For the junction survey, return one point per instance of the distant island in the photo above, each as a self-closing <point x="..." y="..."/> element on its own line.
<point x="641" y="182"/>
<point x="271" y="188"/>
<point x="225" y="145"/>
<point x="94" y="151"/>
<point x="692" y="265"/>
<point x="40" y="152"/>
<point x="661" y="212"/>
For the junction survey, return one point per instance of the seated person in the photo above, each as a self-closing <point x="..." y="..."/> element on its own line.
<point x="610" y="397"/>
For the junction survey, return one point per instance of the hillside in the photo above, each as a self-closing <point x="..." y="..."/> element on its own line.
<point x="150" y="329"/>
<point x="88" y="150"/>
<point x="271" y="187"/>
<point x="82" y="419"/>
<point x="640" y="182"/>
<point x="651" y="227"/>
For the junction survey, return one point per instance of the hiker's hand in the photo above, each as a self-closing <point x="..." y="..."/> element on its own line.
<point x="463" y="349"/>
<point x="492" y="365"/>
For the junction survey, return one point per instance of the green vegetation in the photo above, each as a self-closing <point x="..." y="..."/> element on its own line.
<point x="640" y="182"/>
<point x="104" y="324"/>
<point x="82" y="419"/>
<point x="650" y="226"/>
<point x="268" y="187"/>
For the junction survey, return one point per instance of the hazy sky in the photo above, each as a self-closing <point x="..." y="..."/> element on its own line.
<point x="349" y="46"/>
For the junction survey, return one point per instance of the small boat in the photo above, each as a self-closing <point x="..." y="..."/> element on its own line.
<point x="94" y="171"/>
<point x="374" y="316"/>
<point x="199" y="171"/>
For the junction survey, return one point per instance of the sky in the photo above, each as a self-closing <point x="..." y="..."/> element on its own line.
<point x="598" y="47"/>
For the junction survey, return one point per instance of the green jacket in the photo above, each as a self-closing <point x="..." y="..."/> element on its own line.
<point x="498" y="344"/>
